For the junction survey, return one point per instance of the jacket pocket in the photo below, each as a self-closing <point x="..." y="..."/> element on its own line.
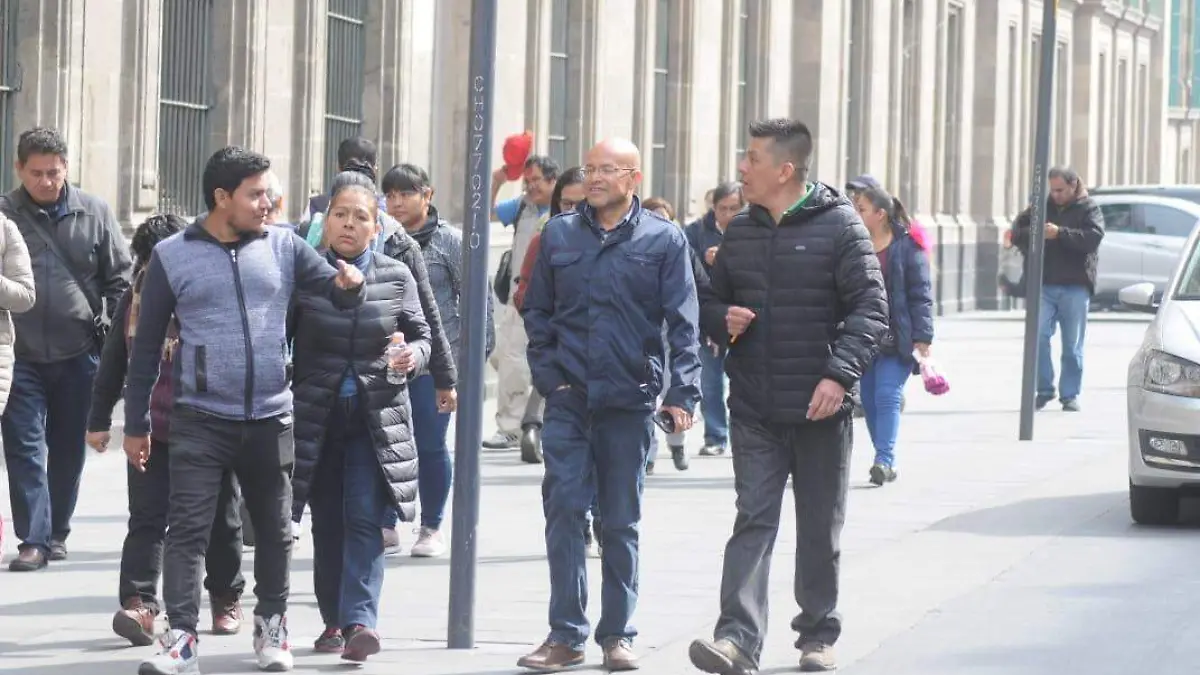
<point x="640" y="270"/>
<point x="201" y="369"/>
<point x="569" y="277"/>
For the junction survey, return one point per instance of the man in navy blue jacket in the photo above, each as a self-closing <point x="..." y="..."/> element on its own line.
<point x="606" y="278"/>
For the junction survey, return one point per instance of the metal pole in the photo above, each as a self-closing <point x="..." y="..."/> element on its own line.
<point x="476" y="226"/>
<point x="1037" y="218"/>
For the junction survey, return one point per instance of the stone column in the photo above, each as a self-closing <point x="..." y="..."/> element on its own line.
<point x="47" y="44"/>
<point x="451" y="67"/>
<point x="388" y="92"/>
<point x="141" y="61"/>
<point x="308" y="129"/>
<point x="239" y="75"/>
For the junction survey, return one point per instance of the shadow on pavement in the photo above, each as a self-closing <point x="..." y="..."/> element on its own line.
<point x="87" y="604"/>
<point x="1069" y="515"/>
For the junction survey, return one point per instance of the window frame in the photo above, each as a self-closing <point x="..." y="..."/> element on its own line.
<point x="660" y="84"/>
<point x="344" y="110"/>
<point x="185" y="105"/>
<point x="1142" y="219"/>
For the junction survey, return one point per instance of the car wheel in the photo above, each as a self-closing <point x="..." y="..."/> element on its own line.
<point x="1153" y="506"/>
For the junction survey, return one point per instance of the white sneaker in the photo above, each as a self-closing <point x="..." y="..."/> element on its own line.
<point x="271" y="644"/>
<point x="502" y="441"/>
<point x="429" y="544"/>
<point x="177" y="655"/>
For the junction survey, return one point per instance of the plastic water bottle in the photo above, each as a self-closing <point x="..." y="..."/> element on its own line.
<point x="395" y="375"/>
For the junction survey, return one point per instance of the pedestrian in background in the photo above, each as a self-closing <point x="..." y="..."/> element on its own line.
<point x="354" y="432"/>
<point x="705" y="236"/>
<point x="81" y="269"/>
<point x="905" y="268"/>
<point x="568" y="193"/>
<point x="1074" y="230"/>
<point x="524" y="214"/>
<point x="149" y="491"/>
<point x="409" y="196"/>
<point x="17" y="294"/>
<point x="799" y="300"/>
<point x="605" y="280"/>
<point x="228" y="280"/>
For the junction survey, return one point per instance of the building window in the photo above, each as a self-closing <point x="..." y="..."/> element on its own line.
<point x="8" y="88"/>
<point x="1102" y="120"/>
<point x="858" y="88"/>
<point x="952" y="119"/>
<point x="910" y="101"/>
<point x="559" y="138"/>
<point x="1120" y="138"/>
<point x="745" y="94"/>
<point x="1012" y="177"/>
<point x="1141" y="112"/>
<point x="1062" y="102"/>
<point x="663" y="16"/>
<point x="185" y="100"/>
<point x="345" y="78"/>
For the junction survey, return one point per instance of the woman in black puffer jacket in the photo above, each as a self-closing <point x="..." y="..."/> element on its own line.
<point x="355" y="454"/>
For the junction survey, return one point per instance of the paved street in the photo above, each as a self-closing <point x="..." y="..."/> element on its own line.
<point x="988" y="556"/>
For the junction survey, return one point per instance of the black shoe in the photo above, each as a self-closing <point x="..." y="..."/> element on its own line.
<point x="1071" y="405"/>
<point x="679" y="456"/>
<point x="882" y="473"/>
<point x="531" y="445"/>
<point x="1041" y="401"/>
<point x="30" y="559"/>
<point x="58" y="550"/>
<point x="650" y="468"/>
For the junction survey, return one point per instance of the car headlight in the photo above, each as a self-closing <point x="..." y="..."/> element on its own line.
<point x="1167" y="374"/>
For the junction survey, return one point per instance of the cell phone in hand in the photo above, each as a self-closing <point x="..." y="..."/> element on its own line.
<point x="665" y="421"/>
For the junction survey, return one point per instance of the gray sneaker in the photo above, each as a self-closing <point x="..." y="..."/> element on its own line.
<point x="1071" y="405"/>
<point x="817" y="657"/>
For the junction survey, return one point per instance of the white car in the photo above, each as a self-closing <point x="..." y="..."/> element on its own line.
<point x="1144" y="236"/>
<point x="1163" y="393"/>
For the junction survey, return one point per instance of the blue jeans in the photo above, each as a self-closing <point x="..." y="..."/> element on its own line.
<point x="433" y="465"/>
<point x="590" y="451"/>
<point x="348" y="501"/>
<point x="1065" y="306"/>
<point x="43" y="429"/>
<point x="882" y="387"/>
<point x="712" y="402"/>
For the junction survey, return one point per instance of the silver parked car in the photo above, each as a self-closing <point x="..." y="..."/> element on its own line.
<point x="1143" y="237"/>
<point x="1163" y="393"/>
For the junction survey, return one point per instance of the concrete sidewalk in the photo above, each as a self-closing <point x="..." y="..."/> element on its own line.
<point x="971" y="501"/>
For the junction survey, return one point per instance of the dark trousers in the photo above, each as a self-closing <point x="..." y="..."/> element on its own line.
<point x="817" y="457"/>
<point x="349" y="497"/>
<point x="589" y="452"/>
<point x="203" y="450"/>
<point x="429" y="431"/>
<point x="141" y="556"/>
<point x="43" y="429"/>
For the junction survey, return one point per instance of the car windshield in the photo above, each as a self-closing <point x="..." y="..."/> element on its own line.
<point x="1188" y="287"/>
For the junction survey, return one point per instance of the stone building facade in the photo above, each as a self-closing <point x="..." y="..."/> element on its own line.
<point x="935" y="97"/>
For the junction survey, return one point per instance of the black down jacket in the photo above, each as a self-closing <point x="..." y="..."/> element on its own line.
<point x="327" y="339"/>
<point x="815" y="285"/>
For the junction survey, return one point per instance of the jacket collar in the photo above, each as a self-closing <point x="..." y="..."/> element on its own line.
<point x="196" y="231"/>
<point x="68" y="201"/>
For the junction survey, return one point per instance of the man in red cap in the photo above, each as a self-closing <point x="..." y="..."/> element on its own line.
<point x="525" y="215"/>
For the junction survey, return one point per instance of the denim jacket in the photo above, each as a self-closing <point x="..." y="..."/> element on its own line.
<point x="441" y="245"/>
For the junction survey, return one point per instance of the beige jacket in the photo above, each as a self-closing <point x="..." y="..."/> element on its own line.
<point x="16" y="295"/>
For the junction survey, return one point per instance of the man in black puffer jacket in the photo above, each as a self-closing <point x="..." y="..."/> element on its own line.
<point x="799" y="299"/>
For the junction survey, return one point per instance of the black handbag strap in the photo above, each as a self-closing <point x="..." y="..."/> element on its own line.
<point x="93" y="301"/>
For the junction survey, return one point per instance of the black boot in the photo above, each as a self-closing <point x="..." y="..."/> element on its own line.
<point x="531" y="444"/>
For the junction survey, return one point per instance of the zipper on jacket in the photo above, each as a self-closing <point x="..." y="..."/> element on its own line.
<point x="770" y="324"/>
<point x="241" y="296"/>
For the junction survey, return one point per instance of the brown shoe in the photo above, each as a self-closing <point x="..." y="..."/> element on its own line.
<point x="135" y="622"/>
<point x="226" y="614"/>
<point x="721" y="657"/>
<point x="30" y="559"/>
<point x="619" y="656"/>
<point x="550" y="658"/>
<point x="817" y="657"/>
